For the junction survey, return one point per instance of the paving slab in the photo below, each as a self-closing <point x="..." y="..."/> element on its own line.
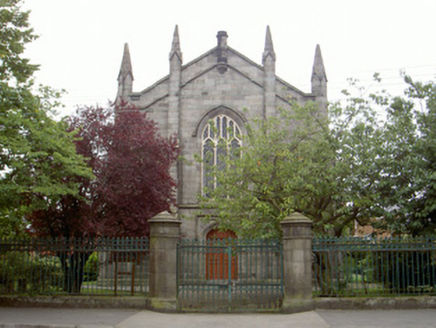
<point x="380" y="318"/>
<point x="119" y="318"/>
<point x="153" y="319"/>
<point x="65" y="318"/>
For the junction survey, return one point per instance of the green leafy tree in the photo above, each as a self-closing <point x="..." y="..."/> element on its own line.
<point x="313" y="167"/>
<point x="371" y="160"/>
<point x="409" y="153"/>
<point x="37" y="154"/>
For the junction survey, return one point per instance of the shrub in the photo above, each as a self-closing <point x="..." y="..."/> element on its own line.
<point x="91" y="268"/>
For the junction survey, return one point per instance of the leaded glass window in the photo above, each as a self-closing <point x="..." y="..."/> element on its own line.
<point x="221" y="138"/>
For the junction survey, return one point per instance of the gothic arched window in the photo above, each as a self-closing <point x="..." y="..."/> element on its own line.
<point x="221" y="138"/>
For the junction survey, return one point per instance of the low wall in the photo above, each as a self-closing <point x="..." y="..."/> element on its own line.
<point x="375" y="303"/>
<point x="82" y="302"/>
<point x="364" y="303"/>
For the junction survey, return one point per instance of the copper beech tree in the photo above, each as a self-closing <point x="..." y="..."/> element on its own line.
<point x="131" y="163"/>
<point x="132" y="182"/>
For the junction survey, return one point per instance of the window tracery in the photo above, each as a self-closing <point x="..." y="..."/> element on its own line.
<point x="221" y="138"/>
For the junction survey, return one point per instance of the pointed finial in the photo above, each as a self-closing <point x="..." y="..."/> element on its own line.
<point x="318" y="65"/>
<point x="269" y="47"/>
<point x="126" y="64"/>
<point x="268" y="40"/>
<point x="175" y="47"/>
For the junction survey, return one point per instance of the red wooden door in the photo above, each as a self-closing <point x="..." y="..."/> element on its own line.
<point x="217" y="259"/>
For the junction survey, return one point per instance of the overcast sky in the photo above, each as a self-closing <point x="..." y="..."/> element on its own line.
<point x="81" y="41"/>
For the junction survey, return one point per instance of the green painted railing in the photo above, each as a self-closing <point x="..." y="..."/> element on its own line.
<point x="374" y="266"/>
<point x="117" y="266"/>
<point x="230" y="275"/>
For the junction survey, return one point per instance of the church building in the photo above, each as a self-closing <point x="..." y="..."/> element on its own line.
<point x="222" y="86"/>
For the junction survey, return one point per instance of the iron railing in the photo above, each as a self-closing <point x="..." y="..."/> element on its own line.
<point x="102" y="266"/>
<point x="374" y="266"/>
<point x="219" y="274"/>
<point x="230" y="275"/>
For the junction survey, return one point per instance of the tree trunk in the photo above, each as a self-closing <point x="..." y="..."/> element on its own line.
<point x="73" y="268"/>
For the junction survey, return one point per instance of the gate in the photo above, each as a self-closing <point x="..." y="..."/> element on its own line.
<point x="229" y="275"/>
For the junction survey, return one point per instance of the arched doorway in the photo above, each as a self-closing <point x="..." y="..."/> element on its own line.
<point x="218" y="254"/>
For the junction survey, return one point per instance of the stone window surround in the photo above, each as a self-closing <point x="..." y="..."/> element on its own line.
<point x="231" y="116"/>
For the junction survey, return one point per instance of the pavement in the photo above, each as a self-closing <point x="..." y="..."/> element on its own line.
<point x="117" y="318"/>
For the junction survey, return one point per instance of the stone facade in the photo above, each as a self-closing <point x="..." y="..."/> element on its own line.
<point x="220" y="83"/>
